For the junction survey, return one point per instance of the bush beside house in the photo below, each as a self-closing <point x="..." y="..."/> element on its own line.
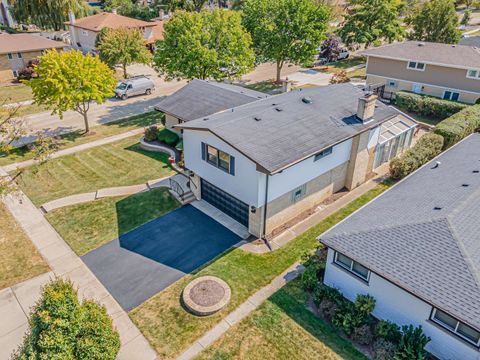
<point x="459" y="126"/>
<point x="428" y="105"/>
<point x="153" y="133"/>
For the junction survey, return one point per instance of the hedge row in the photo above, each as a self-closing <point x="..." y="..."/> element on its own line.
<point x="428" y="105"/>
<point x="165" y="136"/>
<point x="427" y="147"/>
<point x="459" y="126"/>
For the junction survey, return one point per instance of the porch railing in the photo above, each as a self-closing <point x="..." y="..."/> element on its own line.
<point x="176" y="187"/>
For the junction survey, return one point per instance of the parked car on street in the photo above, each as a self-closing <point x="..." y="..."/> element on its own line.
<point x="137" y="85"/>
<point x="323" y="60"/>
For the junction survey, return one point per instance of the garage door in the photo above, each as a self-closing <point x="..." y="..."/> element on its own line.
<point x="225" y="202"/>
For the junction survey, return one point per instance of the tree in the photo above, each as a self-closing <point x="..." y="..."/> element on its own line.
<point x="71" y="81"/>
<point x="435" y="21"/>
<point x="133" y="9"/>
<point x="48" y="14"/>
<point x="188" y="5"/>
<point x="331" y="48"/>
<point x="123" y="46"/>
<point x="63" y="328"/>
<point x="467" y="16"/>
<point x="369" y="21"/>
<point x="286" y="30"/>
<point x="207" y="44"/>
<point x="340" y="77"/>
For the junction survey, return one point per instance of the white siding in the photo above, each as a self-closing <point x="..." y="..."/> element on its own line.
<point x="373" y="137"/>
<point x="397" y="305"/>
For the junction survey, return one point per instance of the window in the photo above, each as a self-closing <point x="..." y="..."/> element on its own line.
<point x="450" y="323"/>
<point x="473" y="74"/>
<point x="218" y="158"/>
<point x="413" y="65"/>
<point x="299" y="193"/>
<point x="352" y="266"/>
<point x="224" y="161"/>
<point x="10" y="56"/>
<point x="84" y="33"/>
<point x="392" y="83"/>
<point x="19" y="55"/>
<point x="212" y="155"/>
<point x="15" y="73"/>
<point x="323" y="153"/>
<point x="451" y="95"/>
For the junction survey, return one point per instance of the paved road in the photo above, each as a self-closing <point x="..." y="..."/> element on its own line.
<point x="146" y="260"/>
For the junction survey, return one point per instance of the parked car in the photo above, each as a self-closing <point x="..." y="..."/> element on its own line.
<point x="137" y="85"/>
<point x="323" y="60"/>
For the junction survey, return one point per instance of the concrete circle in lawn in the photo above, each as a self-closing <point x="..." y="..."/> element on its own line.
<point x="206" y="295"/>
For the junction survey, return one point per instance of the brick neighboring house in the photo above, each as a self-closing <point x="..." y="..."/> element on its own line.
<point x="446" y="71"/>
<point x="16" y="50"/>
<point x="83" y="31"/>
<point x="416" y="250"/>
<point x="271" y="159"/>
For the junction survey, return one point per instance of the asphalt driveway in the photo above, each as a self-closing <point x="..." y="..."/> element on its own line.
<point x="146" y="260"/>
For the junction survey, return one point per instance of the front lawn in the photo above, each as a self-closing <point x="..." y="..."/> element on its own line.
<point x="15" y="93"/>
<point x="117" y="164"/>
<point x="282" y="328"/>
<point x="77" y="137"/>
<point x="267" y="86"/>
<point x="87" y="226"/>
<point x="341" y="64"/>
<point x="170" y="329"/>
<point x="19" y="258"/>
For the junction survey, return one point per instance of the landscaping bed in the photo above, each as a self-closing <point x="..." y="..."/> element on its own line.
<point x="170" y="329"/>
<point x="19" y="259"/>
<point x="87" y="226"/>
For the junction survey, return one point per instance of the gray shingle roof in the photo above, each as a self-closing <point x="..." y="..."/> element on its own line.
<point x="282" y="130"/>
<point x="454" y="55"/>
<point x="434" y="254"/>
<point x="201" y="98"/>
<point x="471" y="41"/>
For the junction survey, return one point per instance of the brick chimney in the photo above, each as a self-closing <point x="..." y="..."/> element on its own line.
<point x="366" y="107"/>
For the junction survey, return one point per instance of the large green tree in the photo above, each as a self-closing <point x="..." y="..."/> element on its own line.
<point x="71" y="81"/>
<point x="286" y="30"/>
<point x="204" y="45"/>
<point x="125" y="47"/>
<point x="435" y="21"/>
<point x="48" y="14"/>
<point x="369" y="21"/>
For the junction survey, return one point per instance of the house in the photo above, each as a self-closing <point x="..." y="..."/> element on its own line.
<point x="83" y="31"/>
<point x="446" y="71"/>
<point x="200" y="98"/>
<point x="416" y="250"/>
<point x="16" y="50"/>
<point x="268" y="161"/>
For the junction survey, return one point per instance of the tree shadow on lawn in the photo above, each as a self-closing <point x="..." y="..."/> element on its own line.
<point x="159" y="156"/>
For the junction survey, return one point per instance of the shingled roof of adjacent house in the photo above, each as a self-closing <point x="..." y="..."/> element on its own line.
<point x="13" y="43"/>
<point x="423" y="234"/>
<point x="109" y="20"/>
<point x="428" y="52"/>
<point x="280" y="131"/>
<point x="200" y="98"/>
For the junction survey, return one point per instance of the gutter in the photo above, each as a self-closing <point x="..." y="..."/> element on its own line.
<point x="264" y="230"/>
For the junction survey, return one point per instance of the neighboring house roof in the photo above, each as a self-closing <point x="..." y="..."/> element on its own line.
<point x="427" y="52"/>
<point x="200" y="98"/>
<point x="471" y="41"/>
<point x="109" y="20"/>
<point x="14" y="43"/>
<point x="423" y="233"/>
<point x="280" y="131"/>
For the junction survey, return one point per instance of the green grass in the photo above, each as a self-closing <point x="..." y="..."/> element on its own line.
<point x="268" y="86"/>
<point x="15" y="93"/>
<point x="358" y="73"/>
<point x="87" y="226"/>
<point x="170" y="329"/>
<point x="19" y="259"/>
<point x="282" y="328"/>
<point x="78" y="137"/>
<point x="116" y="164"/>
<point x="341" y="64"/>
<point x="429" y="120"/>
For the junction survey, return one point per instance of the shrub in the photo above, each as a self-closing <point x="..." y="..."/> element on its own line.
<point x="168" y="137"/>
<point x="63" y="328"/>
<point x="340" y="77"/>
<point x="383" y="350"/>
<point x="151" y="133"/>
<point x="363" y="334"/>
<point x="328" y="308"/>
<point x="459" y="126"/>
<point x="428" y="105"/>
<point x="388" y="331"/>
<point x="329" y="293"/>
<point x="179" y="146"/>
<point x="429" y="146"/>
<point x="412" y="344"/>
<point x="314" y="265"/>
<point x="352" y="315"/>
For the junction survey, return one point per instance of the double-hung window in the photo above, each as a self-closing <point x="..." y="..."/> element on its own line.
<point x="473" y="74"/>
<point x="323" y="153"/>
<point x="218" y="158"/>
<point x="19" y="55"/>
<point x="451" y="324"/>
<point x="451" y="95"/>
<point x="10" y="56"/>
<point x="414" y="65"/>
<point x="352" y="266"/>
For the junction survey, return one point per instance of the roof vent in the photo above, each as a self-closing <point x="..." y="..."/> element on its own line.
<point x="257" y="118"/>
<point x="465" y="185"/>
<point x="421" y="44"/>
<point x="437" y="164"/>
<point x="205" y="119"/>
<point x="307" y="100"/>
<point x="476" y="171"/>
<point x="278" y="109"/>
<point x="437" y="208"/>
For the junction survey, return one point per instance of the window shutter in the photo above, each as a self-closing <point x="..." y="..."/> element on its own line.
<point x="204" y="151"/>
<point x="232" y="165"/>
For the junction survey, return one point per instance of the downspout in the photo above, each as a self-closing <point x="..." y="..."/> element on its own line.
<point x="264" y="231"/>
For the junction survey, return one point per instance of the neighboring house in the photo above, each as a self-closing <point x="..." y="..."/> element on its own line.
<point x="416" y="250"/>
<point x="16" y="50"/>
<point x="277" y="157"/>
<point x="201" y="98"/>
<point x="83" y="31"/>
<point x="446" y="71"/>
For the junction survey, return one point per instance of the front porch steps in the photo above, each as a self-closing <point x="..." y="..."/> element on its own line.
<point x="187" y="198"/>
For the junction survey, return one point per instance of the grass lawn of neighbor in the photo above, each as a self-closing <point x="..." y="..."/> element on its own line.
<point x="116" y="164"/>
<point x="341" y="64"/>
<point x="170" y="329"/>
<point x="87" y="226"/>
<point x="19" y="258"/>
<point x="77" y="138"/>
<point x="15" y="93"/>
<point x="282" y="328"/>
